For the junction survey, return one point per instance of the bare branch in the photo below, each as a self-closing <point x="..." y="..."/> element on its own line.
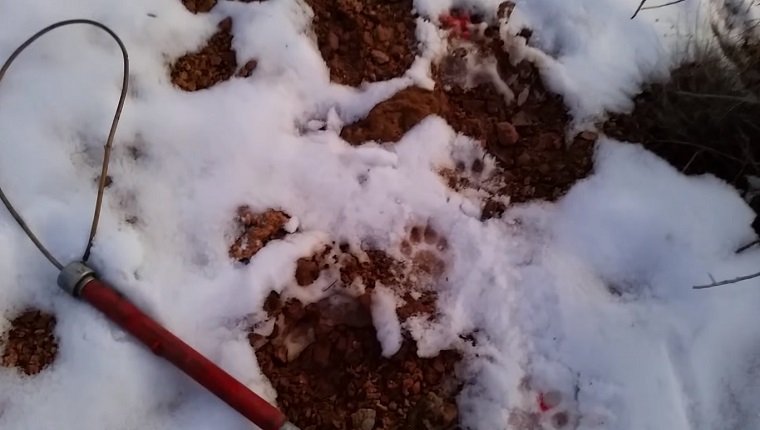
<point x="702" y="147"/>
<point x="662" y="5"/>
<point x="749" y="100"/>
<point x="691" y="160"/>
<point x="747" y="246"/>
<point x="642" y="7"/>
<point x="726" y="282"/>
<point x="638" y="9"/>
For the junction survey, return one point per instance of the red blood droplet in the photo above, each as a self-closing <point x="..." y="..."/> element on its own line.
<point x="542" y="406"/>
<point x="459" y="22"/>
<point x="548" y="400"/>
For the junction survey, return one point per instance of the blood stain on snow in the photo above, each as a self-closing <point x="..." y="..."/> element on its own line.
<point x="30" y="344"/>
<point x="370" y="40"/>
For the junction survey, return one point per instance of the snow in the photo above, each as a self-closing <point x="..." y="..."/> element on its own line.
<point x="384" y="317"/>
<point x="534" y="288"/>
<point x="591" y="52"/>
<point x="636" y="359"/>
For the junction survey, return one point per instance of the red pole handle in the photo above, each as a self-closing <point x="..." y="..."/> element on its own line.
<point x="164" y="344"/>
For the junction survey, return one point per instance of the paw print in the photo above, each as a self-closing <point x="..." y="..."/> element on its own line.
<point x="424" y="247"/>
<point x="475" y="175"/>
<point x="550" y="409"/>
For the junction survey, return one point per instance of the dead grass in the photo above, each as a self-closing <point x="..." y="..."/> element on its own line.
<point x="705" y="118"/>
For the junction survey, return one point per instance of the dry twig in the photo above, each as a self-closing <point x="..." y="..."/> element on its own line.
<point x="747" y="246"/>
<point x="642" y="7"/>
<point x="638" y="9"/>
<point x="750" y="100"/>
<point x="726" y="282"/>
<point x="662" y="5"/>
<point x="701" y="147"/>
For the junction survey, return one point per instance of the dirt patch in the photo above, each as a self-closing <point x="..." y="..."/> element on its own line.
<point x="505" y="106"/>
<point x="391" y="119"/>
<point x="258" y="229"/>
<point x="371" y="40"/>
<point x="30" y="344"/>
<point x="528" y="141"/>
<point x="213" y="63"/>
<point x="340" y="380"/>
<point x="199" y="6"/>
<point x="356" y="273"/>
<point x="520" y="123"/>
<point x="324" y="359"/>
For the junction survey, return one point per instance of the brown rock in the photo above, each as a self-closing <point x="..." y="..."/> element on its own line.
<point x="493" y="107"/>
<point x="383" y="33"/>
<point x="523" y="96"/>
<point x="379" y="56"/>
<point x="333" y="41"/>
<point x="431" y="376"/>
<point x="524" y="159"/>
<point x="522" y="119"/>
<point x="449" y="414"/>
<point x="322" y="354"/>
<point x="589" y="135"/>
<point x="550" y="141"/>
<point x="307" y="271"/>
<point x="247" y="69"/>
<point x="281" y="354"/>
<point x="363" y="419"/>
<point x="225" y="25"/>
<point x="293" y="310"/>
<point x="506" y="133"/>
<point x="367" y="38"/>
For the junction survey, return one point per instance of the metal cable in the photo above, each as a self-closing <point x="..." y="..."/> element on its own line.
<point x="108" y="145"/>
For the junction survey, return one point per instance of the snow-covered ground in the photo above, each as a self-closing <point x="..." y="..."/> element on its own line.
<point x="534" y="285"/>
